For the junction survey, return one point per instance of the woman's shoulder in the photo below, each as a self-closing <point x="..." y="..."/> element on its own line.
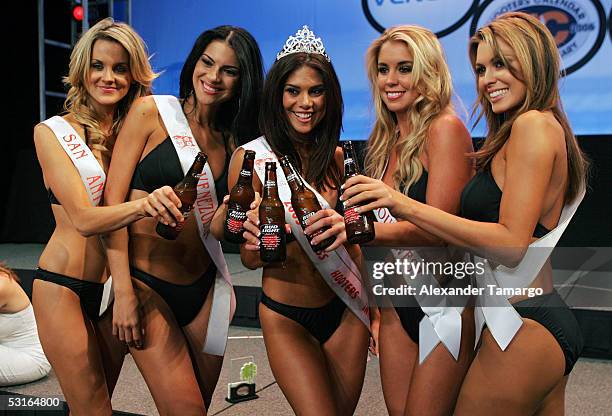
<point x="448" y="130"/>
<point x="145" y="105"/>
<point x="534" y="128"/>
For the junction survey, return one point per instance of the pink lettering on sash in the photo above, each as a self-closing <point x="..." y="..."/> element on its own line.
<point x="184" y="141"/>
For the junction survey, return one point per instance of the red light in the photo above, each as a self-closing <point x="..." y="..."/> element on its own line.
<point x="77" y="13"/>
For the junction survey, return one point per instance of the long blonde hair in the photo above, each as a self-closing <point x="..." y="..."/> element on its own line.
<point x="432" y="81"/>
<point x="11" y="274"/>
<point x="78" y="100"/>
<point x="538" y="57"/>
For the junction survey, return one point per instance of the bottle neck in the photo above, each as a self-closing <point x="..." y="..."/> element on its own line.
<point x="270" y="187"/>
<point x="293" y="179"/>
<point x="246" y="173"/>
<point x="350" y="163"/>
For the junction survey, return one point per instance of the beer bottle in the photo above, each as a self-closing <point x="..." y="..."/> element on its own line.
<point x="272" y="247"/>
<point x="241" y="197"/>
<point x="359" y="226"/>
<point x="304" y="203"/>
<point x="186" y="190"/>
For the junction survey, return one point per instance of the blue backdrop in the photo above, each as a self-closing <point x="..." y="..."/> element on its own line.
<point x="348" y="26"/>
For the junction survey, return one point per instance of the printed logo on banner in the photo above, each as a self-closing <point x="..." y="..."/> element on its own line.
<point x="440" y="16"/>
<point x="578" y="26"/>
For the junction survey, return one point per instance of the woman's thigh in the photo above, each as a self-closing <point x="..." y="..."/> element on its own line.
<point x="164" y="360"/>
<point x="206" y="366"/>
<point x="398" y="354"/>
<point x="436" y="382"/>
<point x="69" y="342"/>
<point x="515" y="381"/>
<point x="346" y="353"/>
<point x="298" y="364"/>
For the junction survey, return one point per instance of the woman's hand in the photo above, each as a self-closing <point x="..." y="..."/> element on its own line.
<point x="126" y="320"/>
<point x="163" y="205"/>
<point x="372" y="194"/>
<point x="251" y="225"/>
<point x="327" y="218"/>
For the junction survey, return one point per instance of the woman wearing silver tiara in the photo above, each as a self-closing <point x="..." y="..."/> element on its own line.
<point x="316" y="345"/>
<point x="531" y="180"/>
<point x="419" y="147"/>
<point x="109" y="69"/>
<point x="169" y="288"/>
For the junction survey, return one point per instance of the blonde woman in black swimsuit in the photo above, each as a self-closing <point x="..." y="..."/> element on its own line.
<point x="530" y="166"/>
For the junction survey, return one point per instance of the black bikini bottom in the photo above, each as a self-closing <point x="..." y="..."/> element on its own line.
<point x="185" y="301"/>
<point x="410" y="316"/>
<point x="321" y="322"/>
<point x="552" y="313"/>
<point x="89" y="293"/>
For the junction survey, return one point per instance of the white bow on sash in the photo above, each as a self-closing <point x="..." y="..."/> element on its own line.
<point x="440" y="323"/>
<point x="337" y="268"/>
<point x="187" y="148"/>
<point x="501" y="318"/>
<point x="91" y="173"/>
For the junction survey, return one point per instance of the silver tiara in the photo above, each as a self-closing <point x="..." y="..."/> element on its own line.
<point x="303" y="41"/>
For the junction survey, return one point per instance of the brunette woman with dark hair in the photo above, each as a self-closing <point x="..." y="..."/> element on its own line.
<point x="316" y="337"/>
<point x="168" y="292"/>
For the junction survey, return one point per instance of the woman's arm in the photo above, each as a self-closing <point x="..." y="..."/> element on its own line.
<point x="528" y="169"/>
<point x="450" y="169"/>
<point x="139" y="124"/>
<point x="66" y="184"/>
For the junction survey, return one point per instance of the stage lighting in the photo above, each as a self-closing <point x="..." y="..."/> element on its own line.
<point x="77" y="12"/>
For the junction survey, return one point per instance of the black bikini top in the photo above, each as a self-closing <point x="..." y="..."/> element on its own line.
<point x="481" y="198"/>
<point x="418" y="189"/>
<point x="162" y="167"/>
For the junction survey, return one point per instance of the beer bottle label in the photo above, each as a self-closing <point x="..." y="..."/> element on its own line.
<point x="351" y="216"/>
<point x="245" y="173"/>
<point x="270" y="184"/>
<point x="235" y="220"/>
<point x="181" y="224"/>
<point x="270" y="236"/>
<point x="304" y="214"/>
<point x="291" y="177"/>
<point x="348" y="161"/>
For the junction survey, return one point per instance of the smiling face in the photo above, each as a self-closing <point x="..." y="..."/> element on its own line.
<point x="109" y="74"/>
<point x="394" y="78"/>
<point x="496" y="82"/>
<point x="216" y="74"/>
<point x="304" y="99"/>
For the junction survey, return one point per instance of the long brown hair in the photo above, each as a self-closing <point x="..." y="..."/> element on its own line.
<point x="538" y="57"/>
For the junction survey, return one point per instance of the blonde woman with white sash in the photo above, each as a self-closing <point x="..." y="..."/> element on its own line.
<point x="182" y="287"/>
<point x="109" y="68"/>
<point x="530" y="182"/>
<point x="420" y="148"/>
<point x="316" y="333"/>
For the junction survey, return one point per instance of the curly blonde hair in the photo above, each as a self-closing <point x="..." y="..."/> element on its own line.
<point x="78" y="101"/>
<point x="539" y="61"/>
<point x="432" y="81"/>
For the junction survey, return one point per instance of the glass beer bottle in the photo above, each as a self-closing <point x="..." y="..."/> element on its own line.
<point x="241" y="197"/>
<point x="304" y="203"/>
<point x="359" y="226"/>
<point x="272" y="247"/>
<point x="186" y="190"/>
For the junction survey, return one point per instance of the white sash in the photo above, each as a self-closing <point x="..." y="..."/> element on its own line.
<point x="440" y="323"/>
<point x="337" y="267"/>
<point x="501" y="318"/>
<point x="224" y="302"/>
<point x="84" y="161"/>
<point x="91" y="174"/>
